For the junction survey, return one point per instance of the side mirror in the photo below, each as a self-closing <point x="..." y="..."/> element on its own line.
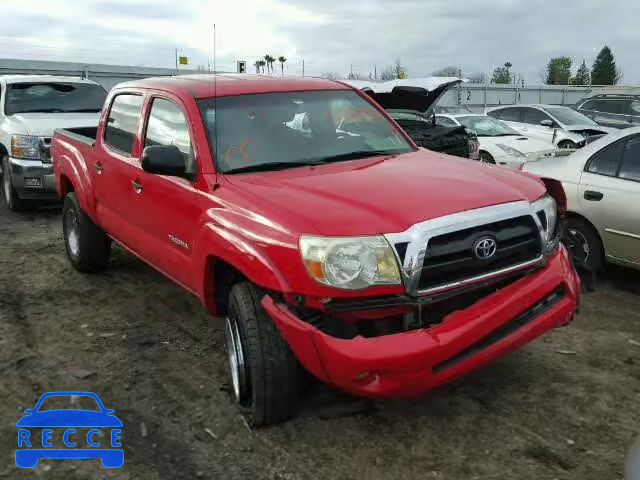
<point x="164" y="160"/>
<point x="547" y="123"/>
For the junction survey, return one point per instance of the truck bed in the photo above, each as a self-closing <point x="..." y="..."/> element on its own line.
<point x="86" y="135"/>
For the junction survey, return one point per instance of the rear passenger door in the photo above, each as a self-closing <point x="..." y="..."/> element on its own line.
<point x="116" y="164"/>
<point x="167" y="212"/>
<point x="609" y="194"/>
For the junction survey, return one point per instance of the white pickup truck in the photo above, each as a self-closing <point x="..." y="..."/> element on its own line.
<point x="31" y="107"/>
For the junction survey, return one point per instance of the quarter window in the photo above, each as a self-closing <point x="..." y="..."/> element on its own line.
<point x="168" y="126"/>
<point x="630" y="167"/>
<point x="122" y="124"/>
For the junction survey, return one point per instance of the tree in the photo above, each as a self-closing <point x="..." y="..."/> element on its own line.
<point x="450" y="71"/>
<point x="502" y="75"/>
<point x="559" y="71"/>
<point x="605" y="71"/>
<point x="281" y="59"/>
<point x="354" y="76"/>
<point x="268" y="59"/>
<point x="387" y="74"/>
<point x="398" y="70"/>
<point x="583" y="77"/>
<point x="261" y="64"/>
<point x="257" y="65"/>
<point x="478" y="77"/>
<point x="331" y="75"/>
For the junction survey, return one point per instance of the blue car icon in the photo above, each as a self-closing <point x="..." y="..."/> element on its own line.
<point x="100" y="420"/>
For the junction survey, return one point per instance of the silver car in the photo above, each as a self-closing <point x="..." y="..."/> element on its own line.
<point x="602" y="183"/>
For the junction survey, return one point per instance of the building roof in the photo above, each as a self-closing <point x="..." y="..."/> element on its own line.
<point x="210" y="85"/>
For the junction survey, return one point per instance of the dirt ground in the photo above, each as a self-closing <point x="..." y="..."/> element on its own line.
<point x="564" y="407"/>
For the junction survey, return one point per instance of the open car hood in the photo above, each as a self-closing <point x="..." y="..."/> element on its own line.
<point x="417" y="94"/>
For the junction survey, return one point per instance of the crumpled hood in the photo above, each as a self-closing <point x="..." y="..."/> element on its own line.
<point x="43" y="124"/>
<point x="382" y="194"/>
<point x="595" y="128"/>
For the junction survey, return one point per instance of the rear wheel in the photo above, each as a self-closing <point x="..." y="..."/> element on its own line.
<point x="584" y="243"/>
<point x="11" y="199"/>
<point x="263" y="372"/>
<point x="485" y="157"/>
<point x="88" y="247"/>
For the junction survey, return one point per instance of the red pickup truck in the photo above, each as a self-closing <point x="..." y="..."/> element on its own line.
<point x="301" y="213"/>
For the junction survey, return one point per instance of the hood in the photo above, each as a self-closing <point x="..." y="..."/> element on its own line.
<point x="590" y="129"/>
<point x="419" y="94"/>
<point x="43" y="124"/>
<point x="382" y="194"/>
<point x="525" y="145"/>
<point x="69" y="418"/>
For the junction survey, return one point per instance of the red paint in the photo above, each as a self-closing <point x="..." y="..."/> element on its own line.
<point x="254" y="221"/>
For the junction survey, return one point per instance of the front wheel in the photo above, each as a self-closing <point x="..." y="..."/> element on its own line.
<point x="584" y="243"/>
<point x="486" y="157"/>
<point x="263" y="372"/>
<point x="88" y="247"/>
<point x="11" y="199"/>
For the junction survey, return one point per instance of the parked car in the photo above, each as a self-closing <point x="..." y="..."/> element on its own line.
<point x="410" y="102"/>
<point x="559" y="125"/>
<point x="382" y="268"/>
<point x="499" y="143"/>
<point x="602" y="183"/>
<point x="31" y="106"/>
<point x="612" y="110"/>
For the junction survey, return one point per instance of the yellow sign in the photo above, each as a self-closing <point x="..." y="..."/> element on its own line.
<point x="403" y="75"/>
<point x="183" y="60"/>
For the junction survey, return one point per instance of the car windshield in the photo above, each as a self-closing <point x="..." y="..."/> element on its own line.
<point x="69" y="402"/>
<point x="568" y="116"/>
<point x="43" y="97"/>
<point x="272" y="131"/>
<point x="487" y="126"/>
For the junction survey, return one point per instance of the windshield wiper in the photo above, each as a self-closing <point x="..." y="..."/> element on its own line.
<point x="262" y="167"/>
<point x="356" y="155"/>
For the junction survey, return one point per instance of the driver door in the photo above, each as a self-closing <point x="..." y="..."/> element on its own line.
<point x="532" y="127"/>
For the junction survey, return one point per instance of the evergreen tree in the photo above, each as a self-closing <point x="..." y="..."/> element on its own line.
<point x="605" y="71"/>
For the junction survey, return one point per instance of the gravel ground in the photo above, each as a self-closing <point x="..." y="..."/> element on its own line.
<point x="563" y="407"/>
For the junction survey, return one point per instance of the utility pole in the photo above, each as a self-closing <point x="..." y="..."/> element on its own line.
<point x="375" y="72"/>
<point x="176" y="60"/>
<point x="303" y="67"/>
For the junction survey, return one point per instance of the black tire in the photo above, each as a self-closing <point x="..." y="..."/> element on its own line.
<point x="567" y="144"/>
<point x="269" y="374"/>
<point x="584" y="243"/>
<point x="11" y="199"/>
<point x="485" y="157"/>
<point x="88" y="247"/>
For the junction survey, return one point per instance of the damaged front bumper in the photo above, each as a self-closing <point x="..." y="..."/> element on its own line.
<point x="412" y="362"/>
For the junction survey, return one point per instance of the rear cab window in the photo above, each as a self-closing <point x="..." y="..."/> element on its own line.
<point x="122" y="122"/>
<point x="53" y="97"/>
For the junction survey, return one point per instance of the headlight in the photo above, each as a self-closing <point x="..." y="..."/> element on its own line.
<point x="547" y="211"/>
<point x="25" y="146"/>
<point x="350" y="263"/>
<point x="510" y="150"/>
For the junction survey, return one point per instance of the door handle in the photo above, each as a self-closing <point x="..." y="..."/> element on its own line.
<point x="593" y="196"/>
<point x="98" y="167"/>
<point x="137" y="186"/>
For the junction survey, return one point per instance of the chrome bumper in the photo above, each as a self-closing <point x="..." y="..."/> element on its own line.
<point x="32" y="179"/>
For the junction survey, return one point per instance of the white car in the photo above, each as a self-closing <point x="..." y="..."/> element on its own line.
<point x="560" y="125"/>
<point x="602" y="184"/>
<point x="31" y="107"/>
<point x="499" y="143"/>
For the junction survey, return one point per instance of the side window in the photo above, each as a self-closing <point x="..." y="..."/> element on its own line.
<point x="122" y="124"/>
<point x="613" y="106"/>
<point x="635" y="108"/>
<point x="606" y="161"/>
<point x="511" y="115"/>
<point x="630" y="167"/>
<point x="445" y="122"/>
<point x="533" y="116"/>
<point x="168" y="126"/>
<point x="590" y="105"/>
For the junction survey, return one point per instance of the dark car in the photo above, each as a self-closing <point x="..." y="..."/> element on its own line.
<point x="612" y="110"/>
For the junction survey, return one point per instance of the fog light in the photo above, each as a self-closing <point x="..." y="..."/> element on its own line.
<point x="32" y="182"/>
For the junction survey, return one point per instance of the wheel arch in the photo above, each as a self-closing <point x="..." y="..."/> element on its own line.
<point x="578" y="216"/>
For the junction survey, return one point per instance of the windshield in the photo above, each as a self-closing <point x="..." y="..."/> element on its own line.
<point x="54" y="97"/>
<point x="69" y="402"/>
<point x="281" y="130"/>
<point x="487" y="126"/>
<point x="568" y="116"/>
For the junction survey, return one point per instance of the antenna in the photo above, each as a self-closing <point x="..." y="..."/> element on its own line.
<point x="215" y="105"/>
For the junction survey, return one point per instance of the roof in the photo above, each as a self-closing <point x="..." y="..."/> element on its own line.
<point x="212" y="85"/>
<point x="44" y="78"/>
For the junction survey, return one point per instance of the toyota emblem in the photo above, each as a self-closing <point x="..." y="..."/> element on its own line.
<point x="485" y="248"/>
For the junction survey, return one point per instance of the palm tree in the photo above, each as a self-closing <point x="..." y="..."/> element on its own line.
<point x="257" y="65"/>
<point x="281" y="59"/>
<point x="262" y="64"/>
<point x="267" y="60"/>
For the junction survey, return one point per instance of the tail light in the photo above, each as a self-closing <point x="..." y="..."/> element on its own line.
<point x="474" y="149"/>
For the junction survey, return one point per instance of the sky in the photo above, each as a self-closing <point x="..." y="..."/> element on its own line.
<point x="330" y="36"/>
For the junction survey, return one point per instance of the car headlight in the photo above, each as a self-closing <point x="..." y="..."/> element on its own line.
<point x="511" y="151"/>
<point x="25" y="146"/>
<point x="547" y="212"/>
<point x="350" y="263"/>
